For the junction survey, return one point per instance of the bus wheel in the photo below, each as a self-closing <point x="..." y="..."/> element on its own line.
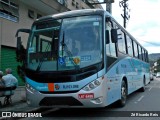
<point x="122" y="101"/>
<point x="142" y="89"/>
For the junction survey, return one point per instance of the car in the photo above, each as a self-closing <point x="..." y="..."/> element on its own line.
<point x="158" y="75"/>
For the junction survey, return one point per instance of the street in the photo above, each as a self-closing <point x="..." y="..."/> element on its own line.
<point x="140" y="105"/>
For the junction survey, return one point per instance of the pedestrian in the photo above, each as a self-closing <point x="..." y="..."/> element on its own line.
<point x="1" y="80"/>
<point x="1" y="86"/>
<point x="9" y="81"/>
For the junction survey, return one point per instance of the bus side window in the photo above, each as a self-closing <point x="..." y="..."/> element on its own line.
<point x="129" y="46"/>
<point x="135" y="49"/>
<point x="147" y="59"/>
<point x="110" y="47"/>
<point x="143" y="54"/>
<point x="121" y="41"/>
<point x="140" y="52"/>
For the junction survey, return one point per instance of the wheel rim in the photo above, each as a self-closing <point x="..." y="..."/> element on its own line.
<point x="123" y="93"/>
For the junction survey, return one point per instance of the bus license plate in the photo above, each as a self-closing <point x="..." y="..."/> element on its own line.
<point x="86" y="96"/>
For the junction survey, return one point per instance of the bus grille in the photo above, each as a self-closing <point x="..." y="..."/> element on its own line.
<point x="55" y="101"/>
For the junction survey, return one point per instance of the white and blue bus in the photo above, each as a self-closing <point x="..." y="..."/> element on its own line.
<point x="81" y="58"/>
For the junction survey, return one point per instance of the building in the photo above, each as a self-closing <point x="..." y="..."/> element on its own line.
<point x="15" y="14"/>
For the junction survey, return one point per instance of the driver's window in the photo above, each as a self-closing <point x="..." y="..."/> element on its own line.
<point x="110" y="48"/>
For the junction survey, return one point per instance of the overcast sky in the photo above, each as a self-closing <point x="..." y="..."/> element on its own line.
<point x="144" y="22"/>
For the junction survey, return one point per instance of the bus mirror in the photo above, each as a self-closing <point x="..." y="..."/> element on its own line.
<point x="19" y="43"/>
<point x="107" y="36"/>
<point x="108" y="19"/>
<point x="22" y="30"/>
<point x="20" y="51"/>
<point x="114" y="35"/>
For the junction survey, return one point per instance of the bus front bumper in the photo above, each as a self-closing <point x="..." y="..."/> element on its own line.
<point x="82" y="99"/>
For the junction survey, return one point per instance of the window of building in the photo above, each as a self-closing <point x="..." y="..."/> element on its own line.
<point x="62" y="2"/>
<point x="9" y="10"/>
<point x="73" y="2"/>
<point x="77" y="5"/>
<point x="135" y="49"/>
<point x="39" y="15"/>
<point x="31" y="14"/>
<point x="129" y="46"/>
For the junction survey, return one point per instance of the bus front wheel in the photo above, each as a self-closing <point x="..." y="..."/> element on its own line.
<point x="123" y="99"/>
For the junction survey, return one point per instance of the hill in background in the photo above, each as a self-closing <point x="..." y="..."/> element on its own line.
<point x="153" y="58"/>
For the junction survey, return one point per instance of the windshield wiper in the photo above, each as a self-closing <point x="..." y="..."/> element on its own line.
<point x="43" y="56"/>
<point x="65" y="48"/>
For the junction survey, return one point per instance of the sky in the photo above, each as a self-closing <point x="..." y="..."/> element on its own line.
<point x="144" y="22"/>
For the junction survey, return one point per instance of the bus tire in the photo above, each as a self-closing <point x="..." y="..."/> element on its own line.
<point x="122" y="101"/>
<point x="142" y="89"/>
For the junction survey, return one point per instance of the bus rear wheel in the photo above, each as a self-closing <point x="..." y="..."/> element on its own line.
<point x="122" y="101"/>
<point x="142" y="89"/>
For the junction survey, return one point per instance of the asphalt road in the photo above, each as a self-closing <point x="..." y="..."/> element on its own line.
<point x="140" y="106"/>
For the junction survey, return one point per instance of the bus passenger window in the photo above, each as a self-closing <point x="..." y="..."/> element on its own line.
<point x="121" y="41"/>
<point x="111" y="47"/>
<point x="129" y="46"/>
<point x="140" y="52"/>
<point x="143" y="54"/>
<point x="135" y="49"/>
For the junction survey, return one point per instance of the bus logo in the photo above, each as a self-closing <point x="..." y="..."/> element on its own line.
<point x="57" y="87"/>
<point x="86" y="96"/>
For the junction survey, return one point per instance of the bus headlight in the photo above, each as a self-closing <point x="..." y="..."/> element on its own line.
<point x="92" y="85"/>
<point x="30" y="88"/>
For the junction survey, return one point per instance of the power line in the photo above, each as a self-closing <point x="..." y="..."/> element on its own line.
<point x="152" y="43"/>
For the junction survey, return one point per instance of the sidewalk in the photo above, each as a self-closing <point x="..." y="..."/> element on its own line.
<point x="18" y="101"/>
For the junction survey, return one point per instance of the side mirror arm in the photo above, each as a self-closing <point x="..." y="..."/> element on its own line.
<point x="22" y="30"/>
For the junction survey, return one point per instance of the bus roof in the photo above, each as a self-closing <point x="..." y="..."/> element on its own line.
<point x="72" y="13"/>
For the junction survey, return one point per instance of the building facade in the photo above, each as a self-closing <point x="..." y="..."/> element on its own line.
<point x="15" y="14"/>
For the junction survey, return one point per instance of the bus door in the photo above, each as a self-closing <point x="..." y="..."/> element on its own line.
<point x="111" y="58"/>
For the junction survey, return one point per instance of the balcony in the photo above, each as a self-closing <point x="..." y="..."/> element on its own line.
<point x="47" y="6"/>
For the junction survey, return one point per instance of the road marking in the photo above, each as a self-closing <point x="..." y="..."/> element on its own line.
<point x="140" y="98"/>
<point x="150" y="88"/>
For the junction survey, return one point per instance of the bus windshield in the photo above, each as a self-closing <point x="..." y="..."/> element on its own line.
<point x="65" y="44"/>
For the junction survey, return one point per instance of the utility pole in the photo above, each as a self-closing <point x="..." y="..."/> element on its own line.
<point x="125" y="14"/>
<point x="108" y="4"/>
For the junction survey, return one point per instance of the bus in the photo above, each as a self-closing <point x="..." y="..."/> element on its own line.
<point x="81" y="59"/>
